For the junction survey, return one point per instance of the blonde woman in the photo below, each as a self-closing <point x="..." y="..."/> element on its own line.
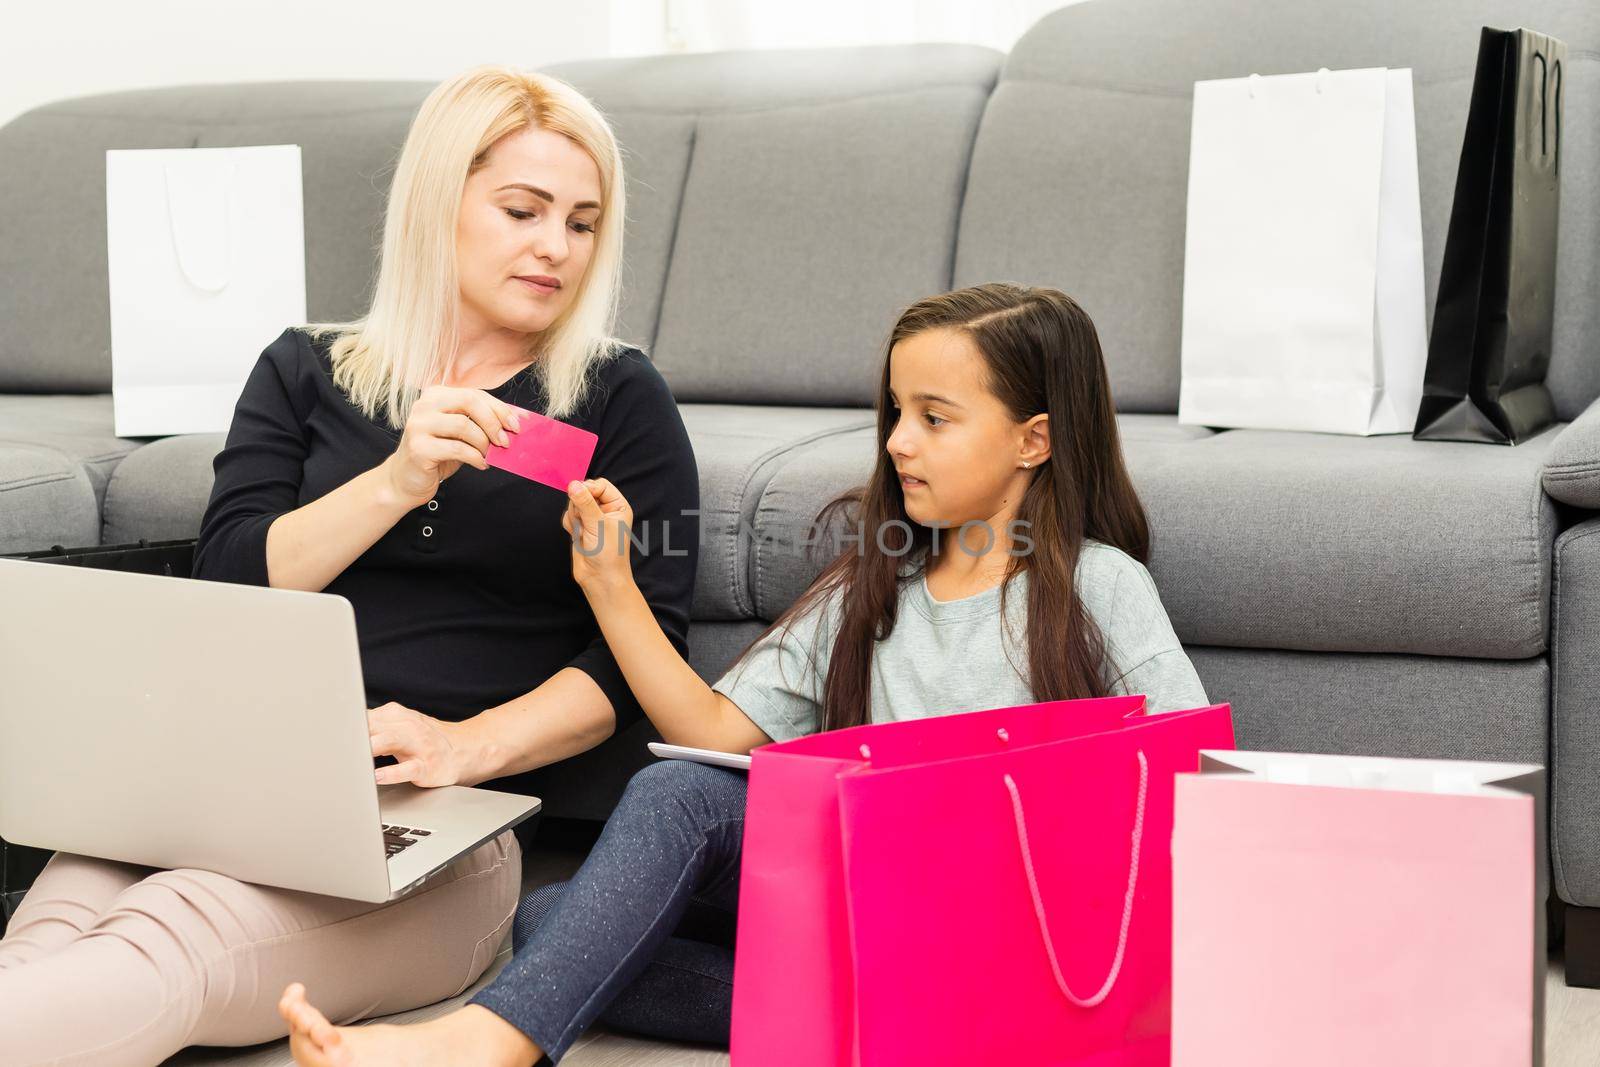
<point x="356" y="465"/>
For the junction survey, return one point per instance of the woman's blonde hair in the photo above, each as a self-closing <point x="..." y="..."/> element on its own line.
<point x="409" y="335"/>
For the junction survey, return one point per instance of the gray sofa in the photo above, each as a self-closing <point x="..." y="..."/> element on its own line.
<point x="1347" y="595"/>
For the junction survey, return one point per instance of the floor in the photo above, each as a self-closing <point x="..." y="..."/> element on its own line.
<point x="1572" y="1016"/>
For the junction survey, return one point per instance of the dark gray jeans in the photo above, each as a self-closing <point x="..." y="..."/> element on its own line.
<point x="641" y="937"/>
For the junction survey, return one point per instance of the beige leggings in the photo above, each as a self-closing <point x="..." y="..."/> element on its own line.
<point x="111" y="965"/>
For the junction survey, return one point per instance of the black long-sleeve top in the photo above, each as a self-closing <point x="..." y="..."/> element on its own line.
<point x="469" y="600"/>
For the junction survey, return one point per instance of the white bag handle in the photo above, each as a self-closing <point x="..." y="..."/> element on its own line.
<point x="1127" y="904"/>
<point x="1253" y="82"/>
<point x="198" y="192"/>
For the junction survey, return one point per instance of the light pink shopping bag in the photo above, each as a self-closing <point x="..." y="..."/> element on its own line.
<point x="869" y="852"/>
<point x="1335" y="910"/>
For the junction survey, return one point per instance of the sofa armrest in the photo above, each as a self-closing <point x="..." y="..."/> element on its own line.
<point x="1574" y="760"/>
<point x="1572" y="468"/>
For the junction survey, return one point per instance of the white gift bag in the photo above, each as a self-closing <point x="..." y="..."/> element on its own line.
<point x="206" y="250"/>
<point x="1303" y="299"/>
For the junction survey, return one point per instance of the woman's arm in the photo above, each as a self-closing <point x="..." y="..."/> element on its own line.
<point x="681" y="706"/>
<point x="565" y="716"/>
<point x="643" y="444"/>
<point x="255" y="531"/>
<point x="311" y="546"/>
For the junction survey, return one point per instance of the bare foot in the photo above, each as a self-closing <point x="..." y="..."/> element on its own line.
<point x="313" y="1040"/>
<point x="470" y="1037"/>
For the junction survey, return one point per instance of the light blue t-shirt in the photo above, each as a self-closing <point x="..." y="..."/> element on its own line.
<point x="960" y="655"/>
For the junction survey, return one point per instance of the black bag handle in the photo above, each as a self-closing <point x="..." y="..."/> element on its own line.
<point x="1549" y="88"/>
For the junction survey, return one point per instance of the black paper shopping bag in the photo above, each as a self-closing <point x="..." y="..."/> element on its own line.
<point x="1490" y="346"/>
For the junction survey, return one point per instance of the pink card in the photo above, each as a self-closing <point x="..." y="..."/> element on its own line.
<point x="546" y="451"/>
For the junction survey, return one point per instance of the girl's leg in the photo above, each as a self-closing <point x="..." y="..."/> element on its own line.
<point x="190" y="957"/>
<point x="686" y="991"/>
<point x="675" y="834"/>
<point x="66" y="899"/>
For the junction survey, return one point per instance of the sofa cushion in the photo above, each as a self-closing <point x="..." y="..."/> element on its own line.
<point x="817" y="205"/>
<point x="349" y="133"/>
<point x="1574" y="726"/>
<point x="1365" y="704"/>
<point x="54" y="320"/>
<point x="46" y="499"/>
<point x="790" y="548"/>
<point x="1137" y="427"/>
<point x="738" y="448"/>
<point x="159" y="493"/>
<point x="1079" y="175"/>
<point x="78" y="426"/>
<point x="1280" y="540"/>
<point x="1348" y="544"/>
<point x="1572" y="466"/>
<point x="655" y="158"/>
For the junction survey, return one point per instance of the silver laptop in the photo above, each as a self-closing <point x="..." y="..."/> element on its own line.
<point x="176" y="723"/>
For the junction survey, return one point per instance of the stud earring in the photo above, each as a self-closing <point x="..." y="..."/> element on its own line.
<point x="1025" y="463"/>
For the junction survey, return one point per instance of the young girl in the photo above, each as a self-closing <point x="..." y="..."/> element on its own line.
<point x="1000" y="562"/>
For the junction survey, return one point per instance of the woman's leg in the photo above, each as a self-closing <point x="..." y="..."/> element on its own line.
<point x="686" y="991"/>
<point x="190" y="957"/>
<point x="676" y="833"/>
<point x="65" y="900"/>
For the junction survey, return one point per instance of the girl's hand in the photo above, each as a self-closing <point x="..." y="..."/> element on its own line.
<point x="425" y="748"/>
<point x="600" y="522"/>
<point x="446" y="428"/>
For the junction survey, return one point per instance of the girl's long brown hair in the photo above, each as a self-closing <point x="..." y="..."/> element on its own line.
<point x="1042" y="355"/>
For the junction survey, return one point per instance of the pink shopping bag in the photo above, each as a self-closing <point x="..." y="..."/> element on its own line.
<point x="1347" y="910"/>
<point x="910" y="890"/>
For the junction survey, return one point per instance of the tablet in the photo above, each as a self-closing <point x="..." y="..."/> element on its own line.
<point x="730" y="760"/>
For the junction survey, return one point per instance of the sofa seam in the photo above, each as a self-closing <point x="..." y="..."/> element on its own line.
<point x="987" y="89"/>
<point x="771" y="456"/>
<point x="224" y="123"/>
<point x="43" y="479"/>
<point x="1536" y="514"/>
<point x="109" y="499"/>
<point x="1135" y="89"/>
<point x="795" y="105"/>
<point x="672" y="241"/>
<point x="965" y="184"/>
<point x="1570" y="472"/>
<point x="759" y="573"/>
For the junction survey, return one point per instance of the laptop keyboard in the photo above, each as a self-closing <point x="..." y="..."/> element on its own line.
<point x="396" y="839"/>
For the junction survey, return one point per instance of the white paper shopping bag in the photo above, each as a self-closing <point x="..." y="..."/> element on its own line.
<point x="206" y="250"/>
<point x="1303" y="300"/>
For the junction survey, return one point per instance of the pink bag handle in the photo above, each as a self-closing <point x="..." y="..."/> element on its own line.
<point x="1127" y="904"/>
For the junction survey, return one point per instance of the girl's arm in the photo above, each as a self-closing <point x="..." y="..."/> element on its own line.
<point x="682" y="706"/>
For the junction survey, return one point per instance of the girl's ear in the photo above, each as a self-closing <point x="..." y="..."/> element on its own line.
<point x="1035" y="441"/>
